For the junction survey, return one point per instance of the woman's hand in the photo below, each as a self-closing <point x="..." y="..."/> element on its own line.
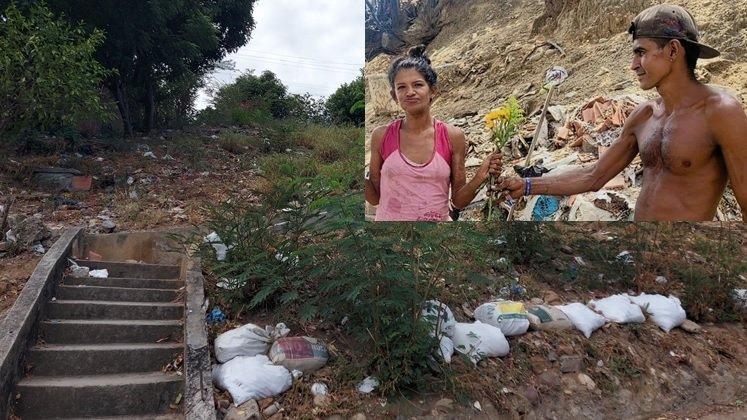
<point x="492" y="165"/>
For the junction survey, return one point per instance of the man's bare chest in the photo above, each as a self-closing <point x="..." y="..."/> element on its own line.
<point x="680" y="144"/>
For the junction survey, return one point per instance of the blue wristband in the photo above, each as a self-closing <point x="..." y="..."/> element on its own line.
<point x="527" y="186"/>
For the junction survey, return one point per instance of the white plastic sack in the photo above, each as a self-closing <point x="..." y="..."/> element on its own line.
<point x="101" y="274"/>
<point x="445" y="348"/>
<point x="479" y="340"/>
<point x="251" y="378"/>
<point x="544" y="317"/>
<point x="509" y="316"/>
<point x="247" y="340"/>
<point x="306" y="354"/>
<point x="666" y="312"/>
<point x="583" y="318"/>
<point x="440" y="317"/>
<point x="618" y="308"/>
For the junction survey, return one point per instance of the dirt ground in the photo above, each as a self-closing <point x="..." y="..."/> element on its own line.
<point x="487" y="52"/>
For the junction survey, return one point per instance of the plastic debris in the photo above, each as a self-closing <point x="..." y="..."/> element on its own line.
<point x="101" y="274"/>
<point x="368" y="385"/>
<point x="150" y="155"/>
<point x="545" y="207"/>
<point x="216" y="316"/>
<point x="220" y="248"/>
<point x="38" y="248"/>
<point x="319" y="389"/>
<point x="625" y="257"/>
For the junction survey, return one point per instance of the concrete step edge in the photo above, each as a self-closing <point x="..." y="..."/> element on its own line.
<point x="95" y="381"/>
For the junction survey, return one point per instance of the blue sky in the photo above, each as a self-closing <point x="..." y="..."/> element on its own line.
<point x="312" y="46"/>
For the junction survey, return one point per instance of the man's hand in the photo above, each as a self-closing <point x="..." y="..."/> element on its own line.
<point x="514" y="186"/>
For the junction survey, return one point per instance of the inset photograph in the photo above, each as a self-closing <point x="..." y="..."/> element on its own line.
<point x="555" y="111"/>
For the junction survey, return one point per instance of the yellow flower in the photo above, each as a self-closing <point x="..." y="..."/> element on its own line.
<point x="498" y="114"/>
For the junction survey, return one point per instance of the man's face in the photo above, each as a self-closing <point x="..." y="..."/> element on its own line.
<point x="650" y="63"/>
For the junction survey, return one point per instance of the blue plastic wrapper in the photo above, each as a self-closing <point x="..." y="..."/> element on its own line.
<point x="215" y="316"/>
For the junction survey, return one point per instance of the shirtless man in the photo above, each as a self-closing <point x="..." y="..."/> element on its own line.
<point x="692" y="140"/>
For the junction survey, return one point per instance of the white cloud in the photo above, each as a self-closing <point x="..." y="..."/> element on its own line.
<point x="312" y="46"/>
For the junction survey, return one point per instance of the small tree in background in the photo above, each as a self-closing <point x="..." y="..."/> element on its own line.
<point x="48" y="76"/>
<point x="344" y="106"/>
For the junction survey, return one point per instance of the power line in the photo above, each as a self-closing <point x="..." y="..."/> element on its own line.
<point x="301" y="64"/>
<point x="265" y="54"/>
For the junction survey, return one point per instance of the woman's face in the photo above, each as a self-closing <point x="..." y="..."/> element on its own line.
<point x="411" y="91"/>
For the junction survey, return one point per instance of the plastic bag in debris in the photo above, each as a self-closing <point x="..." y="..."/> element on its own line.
<point x="740" y="295"/>
<point x="220" y="248"/>
<point x="666" y="312"/>
<point x="368" y="385"/>
<point x="531" y="171"/>
<point x="78" y="271"/>
<point x="545" y="207"/>
<point x="251" y="378"/>
<point x="618" y="308"/>
<point x="543" y="317"/>
<point x="247" y="340"/>
<point x="101" y="274"/>
<point x="509" y="316"/>
<point x="583" y="318"/>
<point x="479" y="340"/>
<point x="440" y="317"/>
<point x="303" y="353"/>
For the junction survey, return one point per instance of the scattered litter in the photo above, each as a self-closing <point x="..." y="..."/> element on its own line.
<point x="38" y="248"/>
<point x="76" y="270"/>
<point x="583" y="318"/>
<point x="306" y="354"/>
<point x="477" y="406"/>
<point x="661" y="280"/>
<point x="228" y="284"/>
<point x="479" y="340"/>
<point x="445" y="348"/>
<point x="101" y="274"/>
<point x="297" y="374"/>
<point x="318" y="389"/>
<point x="150" y="155"/>
<point x="545" y="207"/>
<point x="666" y="312"/>
<point x="220" y="248"/>
<point x="509" y="316"/>
<point x="216" y="316"/>
<point x="625" y="257"/>
<point x="741" y="296"/>
<point x="619" y="308"/>
<point x="368" y="385"/>
<point x="556" y="75"/>
<point x="251" y="378"/>
<point x="247" y="340"/>
<point x="580" y="261"/>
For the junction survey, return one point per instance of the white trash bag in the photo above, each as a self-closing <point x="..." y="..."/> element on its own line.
<point x="247" y="340"/>
<point x="666" y="312"/>
<point x="251" y="378"/>
<point x="618" y="308"/>
<point x="509" y="316"/>
<point x="445" y="348"/>
<point x="479" y="340"/>
<point x="583" y="318"/>
<point x="440" y="317"/>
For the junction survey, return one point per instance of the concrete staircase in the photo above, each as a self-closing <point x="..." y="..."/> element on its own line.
<point x="102" y="345"/>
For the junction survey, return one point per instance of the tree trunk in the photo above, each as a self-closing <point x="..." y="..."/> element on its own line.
<point x="149" y="114"/>
<point x="118" y="87"/>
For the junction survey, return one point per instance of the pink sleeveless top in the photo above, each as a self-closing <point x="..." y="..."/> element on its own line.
<point x="411" y="191"/>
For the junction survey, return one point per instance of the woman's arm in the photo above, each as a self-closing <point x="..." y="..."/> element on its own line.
<point x="372" y="184"/>
<point x="462" y="192"/>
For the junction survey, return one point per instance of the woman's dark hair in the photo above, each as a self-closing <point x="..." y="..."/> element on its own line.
<point x="415" y="59"/>
<point x="692" y="52"/>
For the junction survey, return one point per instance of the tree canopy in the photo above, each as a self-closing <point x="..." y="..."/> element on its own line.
<point x="345" y="106"/>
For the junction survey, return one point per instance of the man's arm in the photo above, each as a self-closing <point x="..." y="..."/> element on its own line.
<point x="372" y="185"/>
<point x="588" y="178"/>
<point x="728" y="123"/>
<point x="462" y="192"/>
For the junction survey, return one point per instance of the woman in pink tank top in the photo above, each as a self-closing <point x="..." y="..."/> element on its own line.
<point x="417" y="162"/>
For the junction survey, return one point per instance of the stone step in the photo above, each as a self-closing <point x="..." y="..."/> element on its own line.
<point x="102" y="309"/>
<point x="108" y="331"/>
<point x="136" y="270"/>
<point x="132" y="394"/>
<point x="122" y="294"/>
<point x="123" y="282"/>
<point x="100" y="359"/>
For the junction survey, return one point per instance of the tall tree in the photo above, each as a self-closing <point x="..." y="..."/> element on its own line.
<point x="153" y="43"/>
<point x="48" y="76"/>
<point x="344" y="106"/>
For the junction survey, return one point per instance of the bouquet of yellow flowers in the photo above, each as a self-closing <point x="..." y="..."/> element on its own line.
<point x="504" y="123"/>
